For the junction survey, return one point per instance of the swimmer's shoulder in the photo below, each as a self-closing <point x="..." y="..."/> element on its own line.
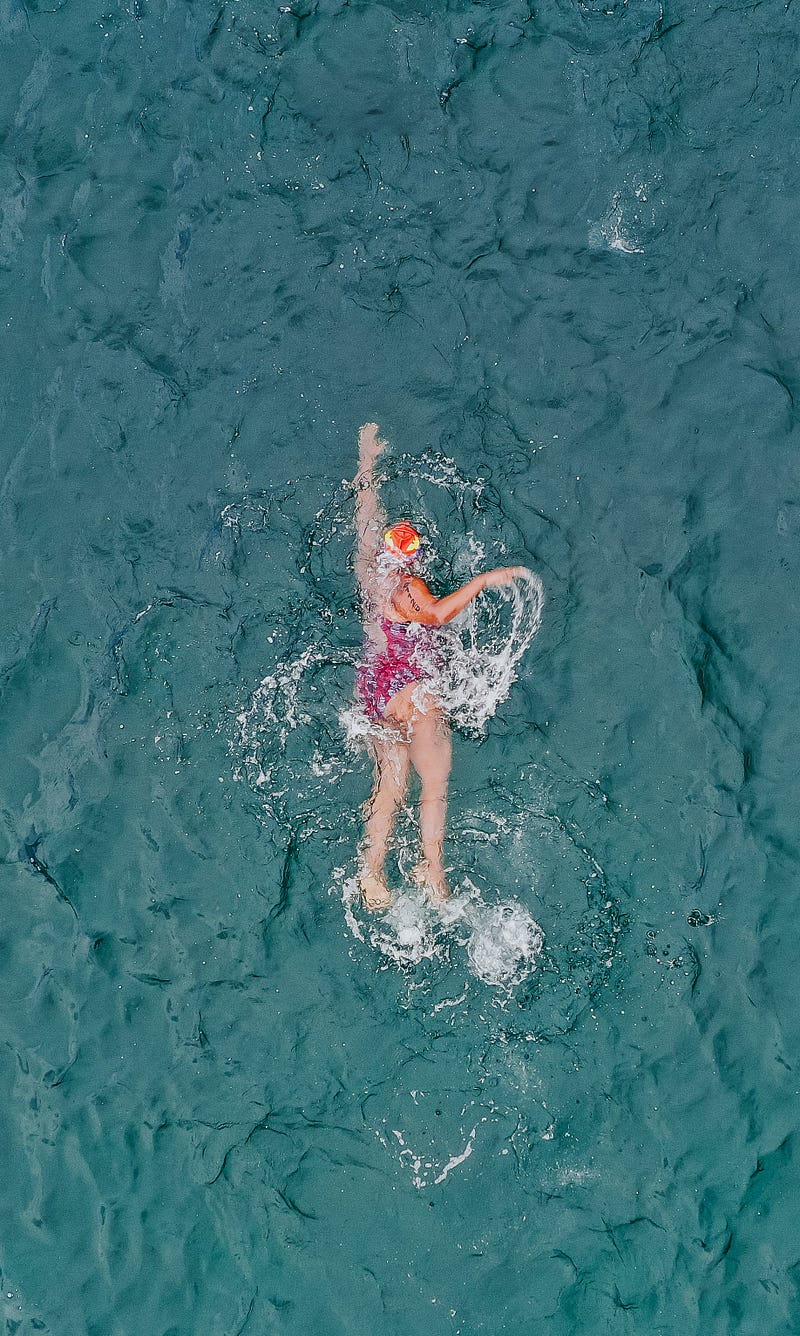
<point x="413" y="600"/>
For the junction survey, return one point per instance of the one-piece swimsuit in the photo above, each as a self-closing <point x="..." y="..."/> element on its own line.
<point x="410" y="651"/>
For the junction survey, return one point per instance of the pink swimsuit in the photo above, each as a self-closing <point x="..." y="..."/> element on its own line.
<point x="382" y="673"/>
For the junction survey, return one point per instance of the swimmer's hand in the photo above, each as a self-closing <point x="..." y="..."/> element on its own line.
<point x="503" y="575"/>
<point x="370" y="446"/>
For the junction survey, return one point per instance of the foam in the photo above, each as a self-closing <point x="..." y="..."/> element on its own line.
<point x="501" y="940"/>
<point x="482" y="648"/>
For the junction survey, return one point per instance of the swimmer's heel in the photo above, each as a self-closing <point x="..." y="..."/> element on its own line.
<point x="422" y="879"/>
<point x="374" y="892"/>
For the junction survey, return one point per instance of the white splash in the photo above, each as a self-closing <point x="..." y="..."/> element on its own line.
<point x="479" y="652"/>
<point x="612" y="231"/>
<point x="441" y="471"/>
<point x="505" y="944"/>
<point x="456" y="1160"/>
<point x="427" y="1170"/>
<point x="407" y="933"/>
<point x="274" y="705"/>
<point x="503" y="941"/>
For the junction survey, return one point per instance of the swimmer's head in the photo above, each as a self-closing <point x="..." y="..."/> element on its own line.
<point x="402" y="540"/>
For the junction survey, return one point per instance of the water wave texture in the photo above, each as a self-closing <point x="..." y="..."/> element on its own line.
<point x="550" y="250"/>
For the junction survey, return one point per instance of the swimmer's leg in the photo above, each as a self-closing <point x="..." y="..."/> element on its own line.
<point x="390" y="754"/>
<point x="431" y="755"/>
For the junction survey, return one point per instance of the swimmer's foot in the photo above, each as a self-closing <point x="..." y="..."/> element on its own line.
<point x="434" y="885"/>
<point x="374" y="892"/>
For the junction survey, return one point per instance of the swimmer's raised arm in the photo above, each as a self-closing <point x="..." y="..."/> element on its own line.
<point x="370" y="515"/>
<point x="415" y="603"/>
<point x="370" y="446"/>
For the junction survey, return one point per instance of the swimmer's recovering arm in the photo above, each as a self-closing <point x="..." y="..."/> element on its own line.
<point x="370" y="515"/>
<point x="415" y="602"/>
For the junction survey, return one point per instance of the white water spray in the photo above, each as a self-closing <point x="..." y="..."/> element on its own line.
<point x="480" y="651"/>
<point x="503" y="942"/>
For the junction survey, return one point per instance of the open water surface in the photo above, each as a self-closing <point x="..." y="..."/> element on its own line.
<point x="552" y="251"/>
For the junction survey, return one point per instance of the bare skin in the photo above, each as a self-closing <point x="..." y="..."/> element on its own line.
<point x="415" y="731"/>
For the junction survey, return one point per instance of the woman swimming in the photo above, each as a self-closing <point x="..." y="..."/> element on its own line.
<point x="393" y="682"/>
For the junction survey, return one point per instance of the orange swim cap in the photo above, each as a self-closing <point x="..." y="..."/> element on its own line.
<point x="402" y="539"/>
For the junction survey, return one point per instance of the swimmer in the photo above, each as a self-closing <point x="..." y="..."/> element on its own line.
<point x="409" y="728"/>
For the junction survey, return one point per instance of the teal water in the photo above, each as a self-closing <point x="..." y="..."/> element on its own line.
<point x="552" y="252"/>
